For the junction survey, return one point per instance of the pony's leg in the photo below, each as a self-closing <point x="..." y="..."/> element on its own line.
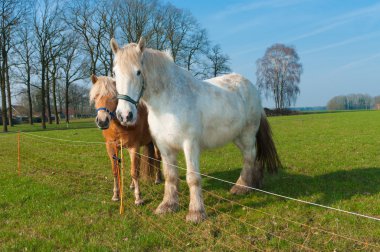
<point x="132" y="185"/>
<point x="112" y="151"/>
<point x="170" y="202"/>
<point x="197" y="211"/>
<point x="133" y="153"/>
<point x="157" y="164"/>
<point x="250" y="171"/>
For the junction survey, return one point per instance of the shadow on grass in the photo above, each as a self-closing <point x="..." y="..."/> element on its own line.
<point x="330" y="187"/>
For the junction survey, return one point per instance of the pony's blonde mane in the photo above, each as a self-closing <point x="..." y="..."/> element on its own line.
<point x="104" y="86"/>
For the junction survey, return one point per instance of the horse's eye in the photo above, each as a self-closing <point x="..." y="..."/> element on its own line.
<point x="138" y="72"/>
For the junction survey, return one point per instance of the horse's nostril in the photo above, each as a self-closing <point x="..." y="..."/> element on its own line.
<point x="129" y="117"/>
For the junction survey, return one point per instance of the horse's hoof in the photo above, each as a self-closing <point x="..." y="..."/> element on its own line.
<point x="196" y="216"/>
<point x="239" y="190"/>
<point x="115" y="198"/>
<point x="166" y="207"/>
<point x="139" y="202"/>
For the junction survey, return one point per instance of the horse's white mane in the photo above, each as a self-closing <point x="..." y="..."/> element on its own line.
<point x="103" y="86"/>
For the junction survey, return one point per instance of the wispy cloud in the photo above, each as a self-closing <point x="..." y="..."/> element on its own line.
<point x="251" y="6"/>
<point x="332" y="23"/>
<point x="342" y="43"/>
<point x="358" y="62"/>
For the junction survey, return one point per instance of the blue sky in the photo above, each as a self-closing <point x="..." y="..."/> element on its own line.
<point x="338" y="41"/>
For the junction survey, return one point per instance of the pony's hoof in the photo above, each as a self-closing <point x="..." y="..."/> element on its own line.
<point x="239" y="190"/>
<point x="196" y="216"/>
<point x="166" y="207"/>
<point x="158" y="181"/>
<point x="139" y="202"/>
<point x="115" y="198"/>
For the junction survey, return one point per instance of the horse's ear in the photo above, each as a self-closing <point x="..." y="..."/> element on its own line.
<point x="94" y="79"/>
<point x="141" y="44"/>
<point x="114" y="46"/>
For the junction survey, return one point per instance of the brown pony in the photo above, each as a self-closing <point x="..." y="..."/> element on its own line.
<point x="103" y="94"/>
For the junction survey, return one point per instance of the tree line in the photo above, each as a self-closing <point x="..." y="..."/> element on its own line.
<point x="353" y="102"/>
<point x="49" y="48"/>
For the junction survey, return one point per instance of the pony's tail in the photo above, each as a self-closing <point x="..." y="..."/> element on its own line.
<point x="266" y="157"/>
<point x="147" y="163"/>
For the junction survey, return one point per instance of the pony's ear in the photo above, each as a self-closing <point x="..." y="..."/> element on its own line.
<point x="141" y="44"/>
<point x="94" y="79"/>
<point x="114" y="46"/>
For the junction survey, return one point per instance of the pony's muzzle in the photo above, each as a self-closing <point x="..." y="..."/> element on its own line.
<point x="103" y="124"/>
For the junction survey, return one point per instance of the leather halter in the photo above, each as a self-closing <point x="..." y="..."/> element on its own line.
<point x="129" y="99"/>
<point x="112" y="114"/>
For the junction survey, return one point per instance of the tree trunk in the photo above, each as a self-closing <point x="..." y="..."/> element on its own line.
<point x="48" y="95"/>
<point x="6" y="74"/>
<point x="67" y="102"/>
<point x="3" y="102"/>
<point x="43" y="116"/>
<point x="55" y="97"/>
<point x="30" y="101"/>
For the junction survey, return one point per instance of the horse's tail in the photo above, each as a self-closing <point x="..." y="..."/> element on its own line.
<point x="266" y="157"/>
<point x="147" y="163"/>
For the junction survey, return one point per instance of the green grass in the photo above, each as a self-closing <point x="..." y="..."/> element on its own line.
<point x="62" y="200"/>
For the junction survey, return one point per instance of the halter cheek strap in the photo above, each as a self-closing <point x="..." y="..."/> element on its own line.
<point x="129" y="99"/>
<point x="112" y="114"/>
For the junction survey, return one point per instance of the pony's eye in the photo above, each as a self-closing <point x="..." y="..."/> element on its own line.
<point x="138" y="72"/>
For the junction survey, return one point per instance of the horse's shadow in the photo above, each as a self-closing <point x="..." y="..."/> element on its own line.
<point x="329" y="188"/>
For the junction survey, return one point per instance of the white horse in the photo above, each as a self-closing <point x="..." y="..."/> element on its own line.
<point x="191" y="115"/>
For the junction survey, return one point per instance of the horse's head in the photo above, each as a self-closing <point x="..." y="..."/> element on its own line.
<point x="129" y="79"/>
<point x="103" y="95"/>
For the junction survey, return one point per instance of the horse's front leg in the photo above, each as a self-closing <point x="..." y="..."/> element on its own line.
<point x="197" y="211"/>
<point x="135" y="164"/>
<point x="112" y="151"/>
<point x="170" y="202"/>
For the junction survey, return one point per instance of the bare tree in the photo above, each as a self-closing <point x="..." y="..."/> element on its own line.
<point x="108" y="15"/>
<point x="279" y="73"/>
<point x="11" y="12"/>
<point x="45" y="25"/>
<point x="218" y="61"/>
<point x="195" y="47"/>
<point x="135" y="19"/>
<point x="56" y="46"/>
<point x="25" y="52"/>
<point x="73" y="69"/>
<point x="83" y="19"/>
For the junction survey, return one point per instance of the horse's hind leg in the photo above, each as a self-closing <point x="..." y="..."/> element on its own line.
<point x="133" y="153"/>
<point x="252" y="174"/>
<point x="157" y="163"/>
<point x="170" y="202"/>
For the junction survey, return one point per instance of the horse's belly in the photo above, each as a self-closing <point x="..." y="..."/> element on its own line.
<point x="215" y="135"/>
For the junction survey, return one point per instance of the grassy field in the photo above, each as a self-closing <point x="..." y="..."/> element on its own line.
<point x="62" y="200"/>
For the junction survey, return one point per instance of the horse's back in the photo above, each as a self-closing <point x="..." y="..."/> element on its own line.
<point x="229" y="103"/>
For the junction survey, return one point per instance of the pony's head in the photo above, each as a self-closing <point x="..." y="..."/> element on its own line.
<point x="129" y="79"/>
<point x="103" y="95"/>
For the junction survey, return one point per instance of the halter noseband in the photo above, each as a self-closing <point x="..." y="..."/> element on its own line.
<point x="112" y="114"/>
<point x="129" y="99"/>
